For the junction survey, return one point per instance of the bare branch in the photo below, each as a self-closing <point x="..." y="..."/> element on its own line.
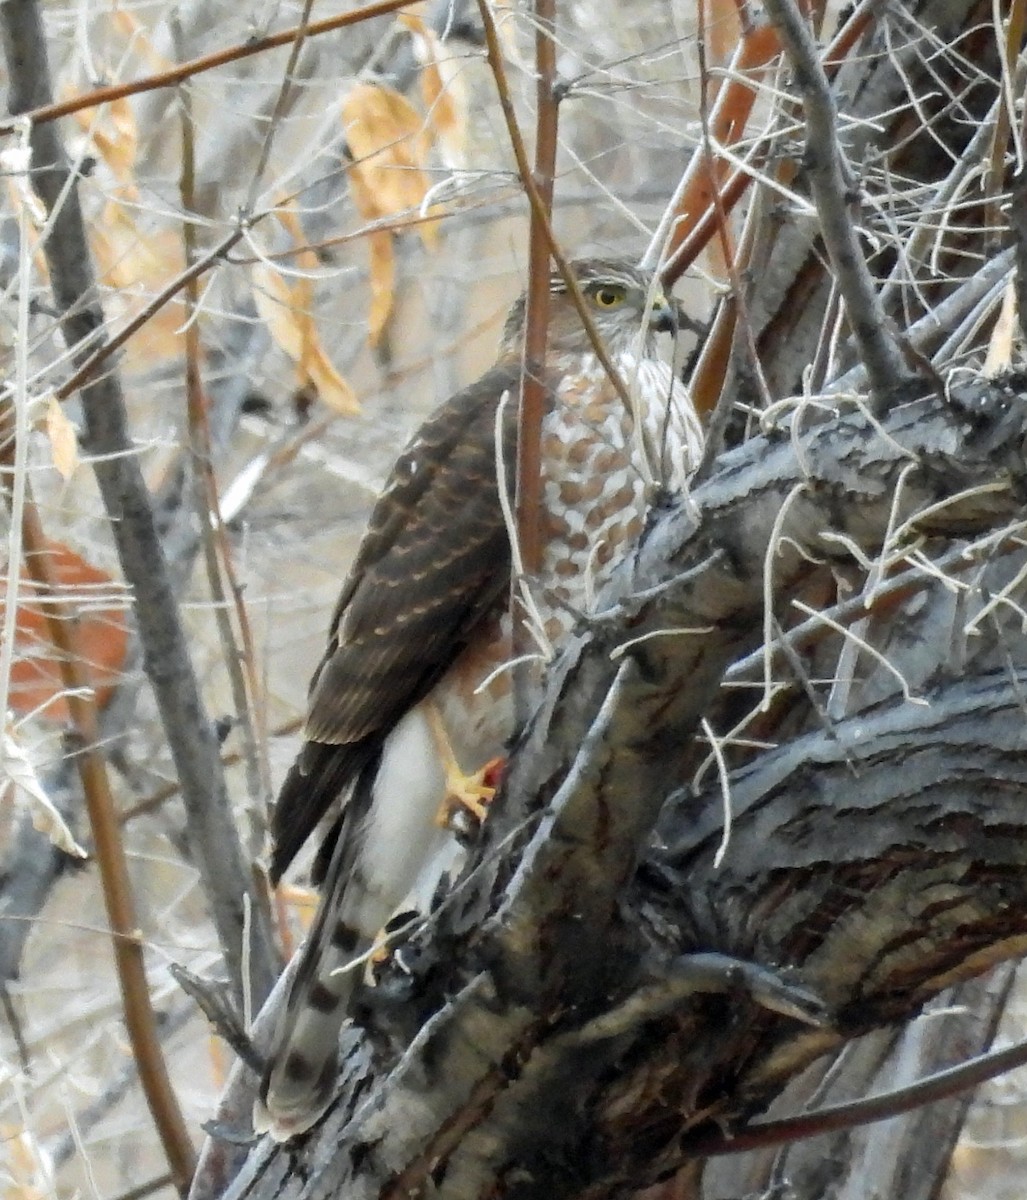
<point x="49" y="111"/>
<point x="166" y="656"/>
<point x="833" y="189"/>
<point x="536" y="330"/>
<point x="140" y="1018"/>
<point x="544" y="906"/>
<point x="942" y="1085"/>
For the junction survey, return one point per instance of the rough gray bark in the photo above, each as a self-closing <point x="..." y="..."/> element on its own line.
<point x="548" y="1041"/>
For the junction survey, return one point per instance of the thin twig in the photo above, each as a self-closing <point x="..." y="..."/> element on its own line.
<point x="216" y="549"/>
<point x="281" y="103"/>
<point x="943" y="317"/>
<point x="140" y="1018"/>
<point x="44" y="113"/>
<point x="534" y="385"/>
<point x="832" y="192"/>
<point x="888" y="596"/>
<point x="536" y="327"/>
<point x="151" y="803"/>
<point x="63" y="1147"/>
<point x="189" y="731"/>
<point x="727" y="121"/>
<point x="697" y="223"/>
<point x="495" y="60"/>
<point x="88" y="366"/>
<point x="942" y="1085"/>
<point x="734" y="312"/>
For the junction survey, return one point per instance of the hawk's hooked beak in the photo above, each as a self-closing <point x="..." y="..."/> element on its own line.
<point x="664" y="314"/>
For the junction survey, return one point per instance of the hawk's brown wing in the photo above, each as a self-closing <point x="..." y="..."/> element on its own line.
<point x="434" y="561"/>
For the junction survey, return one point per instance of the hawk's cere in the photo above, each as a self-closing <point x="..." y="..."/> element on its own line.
<point x="421" y="622"/>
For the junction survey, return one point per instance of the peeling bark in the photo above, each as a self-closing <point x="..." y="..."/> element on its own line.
<point x="542" y="1044"/>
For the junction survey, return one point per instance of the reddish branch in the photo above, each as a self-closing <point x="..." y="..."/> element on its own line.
<point x="495" y="60"/>
<point x="126" y="938"/>
<point x="697" y="214"/>
<point x="50" y="112"/>
<point x="533" y="392"/>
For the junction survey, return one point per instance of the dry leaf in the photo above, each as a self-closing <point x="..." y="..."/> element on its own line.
<point x="381" y="269"/>
<point x="389" y="141"/>
<point x="135" y="254"/>
<point x="63" y="438"/>
<point x="138" y="37"/>
<point x="286" y="307"/>
<point x="29" y="1169"/>
<point x="101" y="633"/>
<point x="115" y="136"/>
<point x="443" y="89"/>
<point x="1000" y="347"/>
<point x="383" y="281"/>
<point x="18" y="770"/>
<point x="136" y="262"/>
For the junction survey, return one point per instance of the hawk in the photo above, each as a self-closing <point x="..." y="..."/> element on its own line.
<point x="411" y="691"/>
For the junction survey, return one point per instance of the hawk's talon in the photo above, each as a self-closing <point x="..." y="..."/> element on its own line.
<point x="464" y="793"/>
<point x="468" y="794"/>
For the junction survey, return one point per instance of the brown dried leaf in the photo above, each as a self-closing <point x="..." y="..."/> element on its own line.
<point x="136" y="35"/>
<point x="37" y="685"/>
<point x="137" y="261"/>
<point x="389" y="141"/>
<point x="383" y="278"/>
<point x="443" y="89"/>
<point x="286" y="306"/>
<point x="63" y="438"/>
<point x="115" y="137"/>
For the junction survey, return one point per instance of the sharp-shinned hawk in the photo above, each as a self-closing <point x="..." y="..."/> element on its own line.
<point x="421" y="624"/>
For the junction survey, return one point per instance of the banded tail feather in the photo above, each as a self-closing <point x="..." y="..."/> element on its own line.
<point x="299" y="1081"/>
<point x="387" y="848"/>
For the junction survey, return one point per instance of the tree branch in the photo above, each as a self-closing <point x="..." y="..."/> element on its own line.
<point x="553" y="928"/>
<point x="191" y="738"/>
<point x="137" y="1006"/>
<point x="833" y="193"/>
<point x="536" y="329"/>
<point x="48" y="111"/>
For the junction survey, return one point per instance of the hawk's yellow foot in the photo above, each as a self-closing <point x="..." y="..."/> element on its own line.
<point x="464" y="792"/>
<point x="469" y="793"/>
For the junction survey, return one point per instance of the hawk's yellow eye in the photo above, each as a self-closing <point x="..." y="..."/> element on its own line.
<point x="608" y="296"/>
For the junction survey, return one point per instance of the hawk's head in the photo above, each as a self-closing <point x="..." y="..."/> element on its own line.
<point x="618" y="295"/>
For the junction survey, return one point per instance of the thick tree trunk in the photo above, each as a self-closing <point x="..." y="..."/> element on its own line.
<point x="556" y="1034"/>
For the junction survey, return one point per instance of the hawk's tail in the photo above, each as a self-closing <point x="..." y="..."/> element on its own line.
<point x="300" y="1077"/>
<point x="389" y="847"/>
